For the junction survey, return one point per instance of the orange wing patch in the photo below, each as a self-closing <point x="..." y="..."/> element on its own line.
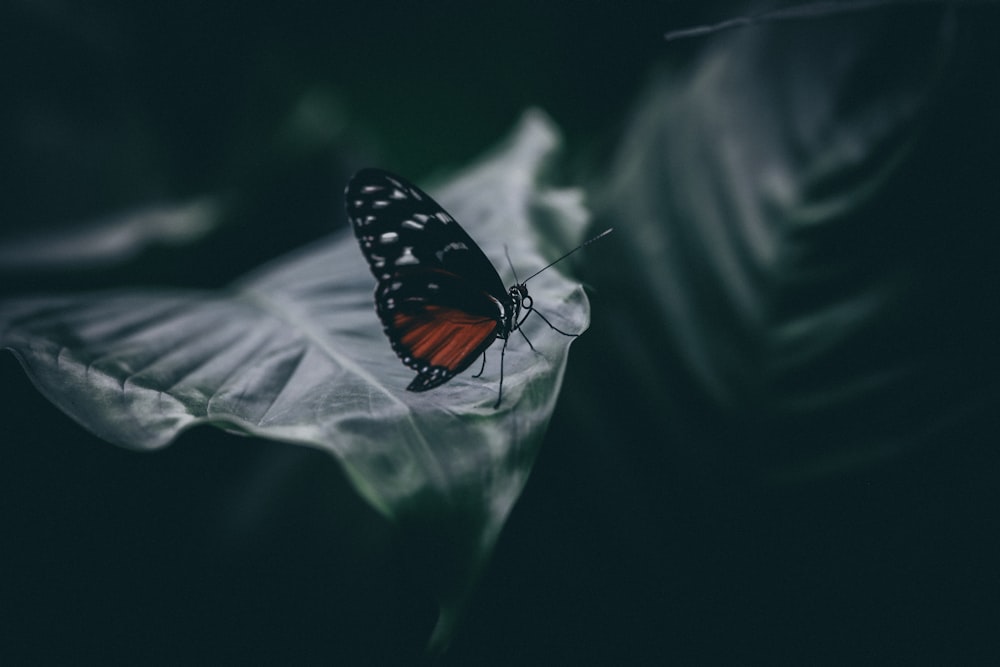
<point x="442" y="336"/>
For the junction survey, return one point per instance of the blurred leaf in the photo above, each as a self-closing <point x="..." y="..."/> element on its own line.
<point x="770" y="242"/>
<point x="295" y="353"/>
<point x="113" y="240"/>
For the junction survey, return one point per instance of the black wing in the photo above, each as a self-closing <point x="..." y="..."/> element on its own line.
<point x="399" y="226"/>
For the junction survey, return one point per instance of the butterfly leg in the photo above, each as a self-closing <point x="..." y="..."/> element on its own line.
<point x="527" y="340"/>
<point x="552" y="326"/>
<point x="500" y="389"/>
<point x="518" y="327"/>
<point x="481" y="368"/>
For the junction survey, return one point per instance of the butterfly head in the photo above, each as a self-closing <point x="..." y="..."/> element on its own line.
<point x="519" y="295"/>
<point x="518" y="299"/>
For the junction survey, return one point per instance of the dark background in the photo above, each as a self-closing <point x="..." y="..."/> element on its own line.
<point x="227" y="549"/>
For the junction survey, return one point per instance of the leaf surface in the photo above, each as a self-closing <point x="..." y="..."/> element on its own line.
<point x="294" y="352"/>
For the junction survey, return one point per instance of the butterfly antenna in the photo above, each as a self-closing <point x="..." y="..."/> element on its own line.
<point x="506" y="251"/>
<point x="582" y="245"/>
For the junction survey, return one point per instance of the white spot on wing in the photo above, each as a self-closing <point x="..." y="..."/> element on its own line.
<point x="368" y="189"/>
<point x="454" y="245"/>
<point x="388" y="237"/>
<point x="397" y="194"/>
<point x="380" y="203"/>
<point x="410" y="224"/>
<point x="407" y="257"/>
<point x="444" y="217"/>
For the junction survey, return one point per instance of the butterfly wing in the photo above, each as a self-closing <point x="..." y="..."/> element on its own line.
<point x="398" y="226"/>
<point x="440" y="300"/>
<point x="438" y="323"/>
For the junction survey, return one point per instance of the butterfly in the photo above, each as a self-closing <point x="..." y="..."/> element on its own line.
<point x="440" y="300"/>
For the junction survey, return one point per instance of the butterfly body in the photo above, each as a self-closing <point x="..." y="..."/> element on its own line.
<point x="440" y="301"/>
